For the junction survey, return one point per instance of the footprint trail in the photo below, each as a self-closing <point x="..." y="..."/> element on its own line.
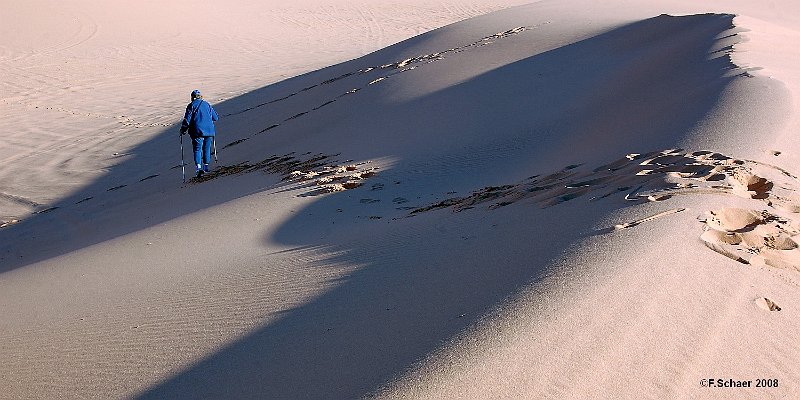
<point x="768" y="235"/>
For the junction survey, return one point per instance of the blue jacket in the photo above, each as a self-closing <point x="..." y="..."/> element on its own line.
<point x="199" y="119"/>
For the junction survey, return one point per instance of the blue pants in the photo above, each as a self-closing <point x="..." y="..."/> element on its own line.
<point x="202" y="149"/>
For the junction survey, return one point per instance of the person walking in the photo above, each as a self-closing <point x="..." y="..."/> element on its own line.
<point x="199" y="123"/>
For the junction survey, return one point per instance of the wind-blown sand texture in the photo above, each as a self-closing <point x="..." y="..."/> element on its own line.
<point x="563" y="199"/>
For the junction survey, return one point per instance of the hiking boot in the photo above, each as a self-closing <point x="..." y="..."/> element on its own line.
<point x="205" y="167"/>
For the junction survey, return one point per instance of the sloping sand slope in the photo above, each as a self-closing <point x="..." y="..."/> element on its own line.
<point x="85" y="82"/>
<point x="559" y="200"/>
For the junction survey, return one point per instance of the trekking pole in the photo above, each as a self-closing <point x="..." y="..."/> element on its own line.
<point x="214" y="142"/>
<point x="183" y="163"/>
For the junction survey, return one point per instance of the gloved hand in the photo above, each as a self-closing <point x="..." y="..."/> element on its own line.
<point x="183" y="132"/>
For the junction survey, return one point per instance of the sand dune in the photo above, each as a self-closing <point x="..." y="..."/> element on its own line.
<point x="565" y="199"/>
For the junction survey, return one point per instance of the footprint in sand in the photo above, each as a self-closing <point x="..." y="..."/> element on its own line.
<point x="8" y="222"/>
<point x="290" y="167"/>
<point x="399" y="67"/>
<point x="756" y="237"/>
<point x="655" y="176"/>
<point x="767" y="304"/>
<point x="46" y="210"/>
<point x="646" y="173"/>
<point x="234" y="143"/>
<point x="753" y="237"/>
<point x="330" y="178"/>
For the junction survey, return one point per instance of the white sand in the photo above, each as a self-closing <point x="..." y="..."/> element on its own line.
<point x="323" y="257"/>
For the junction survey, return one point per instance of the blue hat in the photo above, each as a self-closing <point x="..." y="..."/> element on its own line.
<point x="196" y="94"/>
